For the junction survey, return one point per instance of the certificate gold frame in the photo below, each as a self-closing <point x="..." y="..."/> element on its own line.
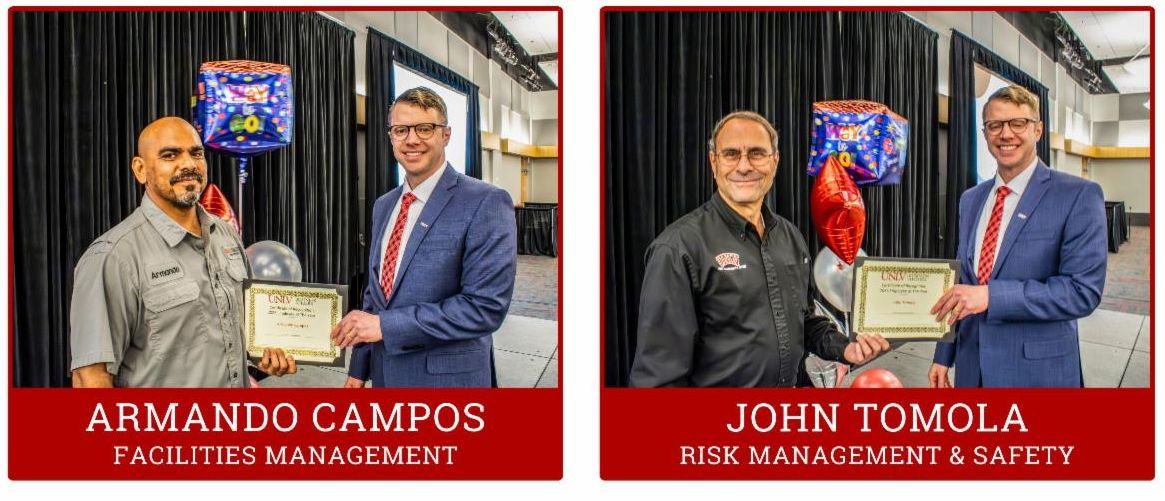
<point x="297" y="317"/>
<point x="893" y="297"/>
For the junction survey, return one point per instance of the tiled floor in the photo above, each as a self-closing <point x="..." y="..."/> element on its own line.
<point x="525" y="347"/>
<point x="526" y="350"/>
<point x="1114" y="345"/>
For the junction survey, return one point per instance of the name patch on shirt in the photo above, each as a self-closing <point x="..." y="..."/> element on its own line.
<point x="729" y="261"/>
<point x="232" y="252"/>
<point x="164" y="272"/>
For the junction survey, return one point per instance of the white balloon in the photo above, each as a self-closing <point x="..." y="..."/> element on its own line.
<point x="271" y="260"/>
<point x="835" y="278"/>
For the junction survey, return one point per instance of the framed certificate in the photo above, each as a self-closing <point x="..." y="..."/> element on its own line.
<point x="893" y="297"/>
<point x="297" y="317"/>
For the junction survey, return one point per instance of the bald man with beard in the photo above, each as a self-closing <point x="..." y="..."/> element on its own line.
<point x="157" y="299"/>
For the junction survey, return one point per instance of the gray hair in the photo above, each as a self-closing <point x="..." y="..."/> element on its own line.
<point x="746" y="115"/>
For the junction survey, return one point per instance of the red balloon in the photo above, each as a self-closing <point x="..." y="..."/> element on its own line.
<point x="215" y="203"/>
<point x="876" y="378"/>
<point x="838" y="211"/>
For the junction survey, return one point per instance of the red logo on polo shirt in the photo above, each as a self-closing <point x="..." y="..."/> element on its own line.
<point x="729" y="261"/>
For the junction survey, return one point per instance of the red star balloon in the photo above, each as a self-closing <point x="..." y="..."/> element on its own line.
<point x="876" y="378"/>
<point x="838" y="211"/>
<point x="217" y="205"/>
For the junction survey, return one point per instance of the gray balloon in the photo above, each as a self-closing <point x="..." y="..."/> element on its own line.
<point x="271" y="260"/>
<point x="834" y="278"/>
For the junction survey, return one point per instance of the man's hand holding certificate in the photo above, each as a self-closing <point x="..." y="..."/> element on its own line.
<point x="894" y="297"/>
<point x="296" y="317"/>
<point x="357" y="327"/>
<point x="960" y="302"/>
<point x="865" y="347"/>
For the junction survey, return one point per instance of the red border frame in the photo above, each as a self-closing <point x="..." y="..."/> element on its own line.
<point x="629" y="401"/>
<point x="513" y="401"/>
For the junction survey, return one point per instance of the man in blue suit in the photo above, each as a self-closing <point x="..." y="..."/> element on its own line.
<point x="1032" y="256"/>
<point x="441" y="266"/>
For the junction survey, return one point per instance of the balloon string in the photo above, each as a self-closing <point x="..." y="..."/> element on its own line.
<point x="243" y="170"/>
<point x="242" y="182"/>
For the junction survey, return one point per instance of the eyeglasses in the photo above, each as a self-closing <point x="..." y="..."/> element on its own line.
<point x="756" y="156"/>
<point x="1017" y="125"/>
<point x="424" y="131"/>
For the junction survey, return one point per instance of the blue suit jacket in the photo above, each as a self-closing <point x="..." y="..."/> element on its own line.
<point x="1049" y="272"/>
<point x="456" y="278"/>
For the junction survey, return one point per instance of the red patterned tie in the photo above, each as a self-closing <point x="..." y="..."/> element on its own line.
<point x="987" y="253"/>
<point x="388" y="267"/>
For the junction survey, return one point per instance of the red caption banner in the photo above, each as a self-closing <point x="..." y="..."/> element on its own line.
<point x="285" y="434"/>
<point x="911" y="434"/>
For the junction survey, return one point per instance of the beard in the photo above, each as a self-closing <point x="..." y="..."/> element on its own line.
<point x="184" y="197"/>
<point x="188" y="199"/>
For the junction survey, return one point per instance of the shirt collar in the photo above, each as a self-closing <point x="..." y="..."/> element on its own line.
<point x="171" y="231"/>
<point x="1019" y="182"/>
<point x="424" y="190"/>
<point x="738" y="223"/>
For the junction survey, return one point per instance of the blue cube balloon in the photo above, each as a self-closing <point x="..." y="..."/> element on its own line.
<point x="244" y="107"/>
<point x="867" y="138"/>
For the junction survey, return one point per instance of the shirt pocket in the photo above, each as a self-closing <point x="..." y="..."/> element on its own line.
<point x="236" y="268"/>
<point x="174" y="320"/>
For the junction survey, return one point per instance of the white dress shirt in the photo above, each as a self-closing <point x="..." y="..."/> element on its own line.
<point x="423" y="191"/>
<point x="1017" y="185"/>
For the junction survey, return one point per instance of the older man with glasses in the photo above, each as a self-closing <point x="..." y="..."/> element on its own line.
<point x="442" y="262"/>
<point x="1032" y="256"/>
<point x="727" y="296"/>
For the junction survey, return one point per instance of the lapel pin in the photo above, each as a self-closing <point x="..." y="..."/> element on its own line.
<point x="424" y="224"/>
<point x="1022" y="215"/>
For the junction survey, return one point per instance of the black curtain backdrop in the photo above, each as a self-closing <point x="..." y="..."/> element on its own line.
<point x="895" y="62"/>
<point x="965" y="125"/>
<point x="304" y="195"/>
<point x="84" y="84"/>
<point x="669" y="76"/>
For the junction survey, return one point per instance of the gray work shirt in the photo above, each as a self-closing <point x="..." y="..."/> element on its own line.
<point x="159" y="305"/>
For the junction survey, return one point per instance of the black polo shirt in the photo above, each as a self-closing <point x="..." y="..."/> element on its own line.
<point x="722" y="306"/>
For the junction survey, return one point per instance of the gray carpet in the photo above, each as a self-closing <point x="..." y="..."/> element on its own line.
<point x="536" y="288"/>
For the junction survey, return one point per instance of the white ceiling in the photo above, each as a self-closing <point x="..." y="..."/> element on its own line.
<point x="536" y="31"/>
<point x="1130" y="78"/>
<point x="551" y="70"/>
<point x="1113" y="35"/>
<point x="1110" y="34"/>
